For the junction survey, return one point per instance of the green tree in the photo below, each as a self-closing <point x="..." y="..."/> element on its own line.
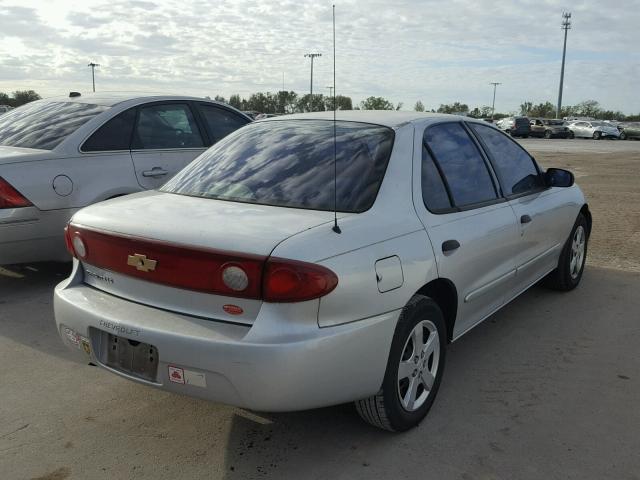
<point x="376" y="103"/>
<point x="20" y="97"/>
<point x="418" y="107"/>
<point x="4" y="99"/>
<point x="485" y="111"/>
<point x="525" y="108"/>
<point x="454" y="108"/>
<point x="308" y="104"/>
<point x="588" y="108"/>
<point x="235" y="101"/>
<point x="220" y="98"/>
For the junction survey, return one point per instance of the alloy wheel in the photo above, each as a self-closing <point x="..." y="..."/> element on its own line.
<point x="418" y="365"/>
<point x="577" y="252"/>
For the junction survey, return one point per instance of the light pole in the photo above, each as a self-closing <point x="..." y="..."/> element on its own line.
<point x="93" y="76"/>
<point x="493" y="104"/>
<point x="566" y="25"/>
<point x="311" y="56"/>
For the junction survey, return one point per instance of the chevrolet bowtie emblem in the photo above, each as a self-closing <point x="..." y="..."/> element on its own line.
<point x="141" y="262"/>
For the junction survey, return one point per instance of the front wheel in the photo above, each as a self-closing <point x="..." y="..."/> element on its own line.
<point x="623" y="136"/>
<point x="597" y="135"/>
<point x="414" y="369"/>
<point x="568" y="274"/>
<point x="572" y="135"/>
<point x="547" y="134"/>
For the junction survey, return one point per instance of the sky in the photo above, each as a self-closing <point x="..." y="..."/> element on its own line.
<point x="404" y="50"/>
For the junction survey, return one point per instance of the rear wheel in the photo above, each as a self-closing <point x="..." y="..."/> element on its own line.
<point x="597" y="135"/>
<point x="414" y="369"/>
<point x="572" y="135"/>
<point x="568" y="274"/>
<point x="623" y="136"/>
<point x="547" y="134"/>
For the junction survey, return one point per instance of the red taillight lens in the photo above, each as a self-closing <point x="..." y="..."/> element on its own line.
<point x="10" y="197"/>
<point x="293" y="281"/>
<point x="67" y="241"/>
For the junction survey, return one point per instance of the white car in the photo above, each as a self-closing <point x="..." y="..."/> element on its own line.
<point x="235" y="282"/>
<point x="63" y="153"/>
<point x="593" y="129"/>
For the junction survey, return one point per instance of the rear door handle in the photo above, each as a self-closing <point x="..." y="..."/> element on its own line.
<point x="154" y="172"/>
<point x="525" y="219"/>
<point x="450" y="246"/>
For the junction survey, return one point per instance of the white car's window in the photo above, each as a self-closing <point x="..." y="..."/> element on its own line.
<point x="516" y="169"/>
<point x="434" y="193"/>
<point x="113" y="135"/>
<point x="44" y="124"/>
<point x="291" y="164"/>
<point x="163" y="126"/>
<point x="220" y="122"/>
<point x="462" y="164"/>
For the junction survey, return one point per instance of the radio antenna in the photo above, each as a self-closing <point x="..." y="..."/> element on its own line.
<point x="335" y="228"/>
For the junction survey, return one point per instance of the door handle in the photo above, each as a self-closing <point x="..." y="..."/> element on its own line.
<point x="525" y="219"/>
<point x="450" y="246"/>
<point x="154" y="172"/>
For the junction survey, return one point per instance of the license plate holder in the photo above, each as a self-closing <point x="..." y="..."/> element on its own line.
<point x="132" y="357"/>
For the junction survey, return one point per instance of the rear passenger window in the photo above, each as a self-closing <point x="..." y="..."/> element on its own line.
<point x="461" y="163"/>
<point x="166" y="126"/>
<point x="113" y="135"/>
<point x="516" y="169"/>
<point x="434" y="192"/>
<point x="220" y="122"/>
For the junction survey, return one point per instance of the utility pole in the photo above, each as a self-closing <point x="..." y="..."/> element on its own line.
<point x="93" y="76"/>
<point x="566" y="25"/>
<point x="493" y="104"/>
<point x="312" y="56"/>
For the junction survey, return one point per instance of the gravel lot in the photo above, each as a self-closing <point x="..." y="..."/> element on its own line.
<point x="546" y="388"/>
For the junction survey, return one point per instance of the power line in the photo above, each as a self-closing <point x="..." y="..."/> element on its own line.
<point x="493" y="104"/>
<point x="311" y="56"/>
<point x="566" y="25"/>
<point x="93" y="76"/>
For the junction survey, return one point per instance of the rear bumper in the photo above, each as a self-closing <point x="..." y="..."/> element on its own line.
<point x="284" y="362"/>
<point x="31" y="235"/>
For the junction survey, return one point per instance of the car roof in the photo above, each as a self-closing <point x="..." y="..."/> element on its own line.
<point x="110" y="99"/>
<point x="388" y="118"/>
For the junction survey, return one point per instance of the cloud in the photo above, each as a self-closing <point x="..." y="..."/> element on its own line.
<point x="405" y="50"/>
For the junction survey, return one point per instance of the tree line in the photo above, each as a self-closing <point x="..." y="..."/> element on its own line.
<point x="292" y="102"/>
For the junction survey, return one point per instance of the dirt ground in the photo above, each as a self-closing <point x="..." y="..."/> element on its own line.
<point x="609" y="174"/>
<point x="547" y="388"/>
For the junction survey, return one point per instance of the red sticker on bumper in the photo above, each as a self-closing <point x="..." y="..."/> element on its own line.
<point x="176" y="375"/>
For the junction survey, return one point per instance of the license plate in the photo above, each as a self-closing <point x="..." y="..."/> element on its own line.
<point x="132" y="357"/>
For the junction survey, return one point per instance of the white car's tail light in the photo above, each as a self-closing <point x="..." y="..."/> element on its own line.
<point x="205" y="270"/>
<point x="235" y="278"/>
<point x="10" y="197"/>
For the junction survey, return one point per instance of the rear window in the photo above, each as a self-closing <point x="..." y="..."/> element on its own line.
<point x="45" y="124"/>
<point x="522" y="121"/>
<point x="290" y="163"/>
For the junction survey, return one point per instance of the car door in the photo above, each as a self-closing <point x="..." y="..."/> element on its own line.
<point x="472" y="229"/>
<point x="540" y="216"/>
<point x="166" y="138"/>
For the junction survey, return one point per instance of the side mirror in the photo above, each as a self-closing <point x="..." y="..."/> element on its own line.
<point x="557" y="177"/>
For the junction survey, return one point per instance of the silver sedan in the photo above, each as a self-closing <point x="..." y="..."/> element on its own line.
<point x="63" y="153"/>
<point x="301" y="263"/>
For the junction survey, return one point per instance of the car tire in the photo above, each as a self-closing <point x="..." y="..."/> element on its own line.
<point x="597" y="135"/>
<point x="572" y="135"/>
<point x="568" y="274"/>
<point x="623" y="136"/>
<point x="403" y="401"/>
<point x="525" y="136"/>
<point x="508" y="132"/>
<point x="547" y="134"/>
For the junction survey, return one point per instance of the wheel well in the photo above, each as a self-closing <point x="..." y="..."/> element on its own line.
<point x="587" y="215"/>
<point x="444" y="293"/>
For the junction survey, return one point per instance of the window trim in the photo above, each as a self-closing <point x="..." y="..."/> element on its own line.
<point x="497" y="171"/>
<point x="205" y="126"/>
<point x="95" y="130"/>
<point x="497" y="188"/>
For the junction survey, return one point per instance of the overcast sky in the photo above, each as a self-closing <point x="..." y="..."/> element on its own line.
<point x="433" y="51"/>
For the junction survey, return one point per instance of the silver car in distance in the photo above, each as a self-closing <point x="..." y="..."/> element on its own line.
<point x="231" y="283"/>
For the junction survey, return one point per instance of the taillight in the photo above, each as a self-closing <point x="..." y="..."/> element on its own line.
<point x="10" y="197"/>
<point x="74" y="243"/>
<point x="294" y="281"/>
<point x="67" y="241"/>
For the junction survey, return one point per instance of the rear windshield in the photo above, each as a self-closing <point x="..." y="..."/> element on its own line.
<point x="289" y="163"/>
<point x="44" y="124"/>
<point x="522" y="121"/>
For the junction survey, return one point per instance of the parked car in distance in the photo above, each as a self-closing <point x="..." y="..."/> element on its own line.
<point x="629" y="130"/>
<point x="61" y="154"/>
<point x="5" y="109"/>
<point x="515" y="126"/>
<point x="549" y="128"/>
<point x="234" y="282"/>
<point x="592" y="129"/>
